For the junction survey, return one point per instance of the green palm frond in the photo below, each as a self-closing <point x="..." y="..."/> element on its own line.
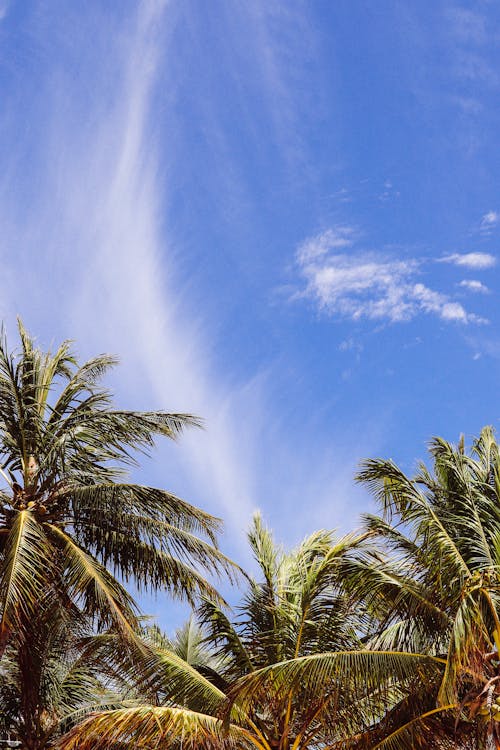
<point x="224" y="639"/>
<point x="189" y="644"/>
<point x="89" y="500"/>
<point x="469" y="635"/>
<point x="400" y="495"/>
<point x="345" y="672"/>
<point x="74" y="530"/>
<point x="88" y="580"/>
<point x="435" y="582"/>
<point x="25" y="564"/>
<point x="155" y="672"/>
<point x="392" y="595"/>
<point x="265" y="551"/>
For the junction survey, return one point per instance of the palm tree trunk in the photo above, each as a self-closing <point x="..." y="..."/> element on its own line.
<point x="4" y="640"/>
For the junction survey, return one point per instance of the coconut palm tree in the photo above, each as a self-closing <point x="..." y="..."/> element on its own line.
<point x="426" y="674"/>
<point x="439" y="590"/>
<point x="431" y="586"/>
<point x="293" y="670"/>
<point x="73" y="528"/>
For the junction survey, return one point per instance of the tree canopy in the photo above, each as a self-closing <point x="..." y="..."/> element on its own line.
<point x="73" y="528"/>
<point x="383" y="639"/>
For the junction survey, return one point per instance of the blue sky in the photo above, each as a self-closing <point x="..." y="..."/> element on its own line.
<point x="282" y="216"/>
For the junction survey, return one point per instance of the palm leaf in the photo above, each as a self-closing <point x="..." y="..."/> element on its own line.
<point x="24" y="567"/>
<point x="420" y="732"/>
<point x="101" y="594"/>
<point x="155" y="727"/>
<point x="345" y="672"/>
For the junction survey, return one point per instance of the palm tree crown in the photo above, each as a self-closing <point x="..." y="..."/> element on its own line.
<point x="437" y="590"/>
<point x="415" y="665"/>
<point x="71" y="523"/>
<point x="296" y="612"/>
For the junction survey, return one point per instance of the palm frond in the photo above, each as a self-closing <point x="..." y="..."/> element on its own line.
<point x="24" y="566"/>
<point x="102" y="596"/>
<point x="113" y="498"/>
<point x="345" y="672"/>
<point x="423" y="732"/>
<point x="155" y="727"/>
<point x="224" y="638"/>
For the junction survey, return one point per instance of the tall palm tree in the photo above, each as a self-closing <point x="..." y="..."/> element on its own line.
<point x="293" y="671"/>
<point x="73" y="528"/>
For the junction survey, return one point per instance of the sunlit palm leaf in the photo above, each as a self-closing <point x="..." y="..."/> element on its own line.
<point x="155" y="727"/>
<point x="25" y="565"/>
<point x="344" y="672"/>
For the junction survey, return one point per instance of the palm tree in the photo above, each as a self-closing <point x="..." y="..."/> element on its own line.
<point x="426" y="674"/>
<point x="293" y="672"/>
<point x="47" y="687"/>
<point x="70" y="521"/>
<point x="439" y="590"/>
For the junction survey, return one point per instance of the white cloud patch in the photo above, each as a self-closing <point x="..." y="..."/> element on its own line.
<point x="471" y="260"/>
<point x="338" y="238"/>
<point x="350" y="345"/>
<point x="362" y="284"/>
<point x="490" y="218"/>
<point x="488" y="222"/>
<point x="473" y="285"/>
<point x="113" y="272"/>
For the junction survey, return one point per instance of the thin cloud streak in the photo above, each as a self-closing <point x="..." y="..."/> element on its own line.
<point x="140" y="298"/>
<point x="118" y="291"/>
<point x="108" y="277"/>
<point x="489" y="221"/>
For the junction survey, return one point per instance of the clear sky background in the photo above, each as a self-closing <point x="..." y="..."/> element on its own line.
<point x="282" y="216"/>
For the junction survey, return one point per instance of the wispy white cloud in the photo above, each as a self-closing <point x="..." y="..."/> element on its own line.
<point x="470" y="33"/>
<point x="490" y="218"/>
<point x="110" y="276"/>
<point x="338" y="238"/>
<point x="350" y="345"/>
<point x="369" y="285"/>
<point x="489" y="221"/>
<point x="389" y="192"/>
<point x="473" y="285"/>
<point x="471" y="260"/>
<point x="471" y="36"/>
<point x="111" y="265"/>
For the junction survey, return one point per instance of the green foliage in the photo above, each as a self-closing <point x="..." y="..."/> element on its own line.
<point x="73" y="530"/>
<point x="437" y="588"/>
<point x="384" y="640"/>
<point x="272" y="676"/>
